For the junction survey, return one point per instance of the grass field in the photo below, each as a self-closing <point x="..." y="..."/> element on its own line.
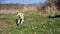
<point x="34" y="23"/>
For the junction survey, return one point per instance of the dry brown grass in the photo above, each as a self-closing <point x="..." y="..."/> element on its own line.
<point x="3" y="26"/>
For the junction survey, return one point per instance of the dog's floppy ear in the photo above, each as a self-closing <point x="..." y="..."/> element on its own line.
<point x="17" y="21"/>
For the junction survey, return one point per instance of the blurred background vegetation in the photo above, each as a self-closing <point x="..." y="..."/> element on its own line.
<point x="36" y="19"/>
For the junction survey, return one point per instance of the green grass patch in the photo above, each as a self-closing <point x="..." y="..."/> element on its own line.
<point x="34" y="23"/>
